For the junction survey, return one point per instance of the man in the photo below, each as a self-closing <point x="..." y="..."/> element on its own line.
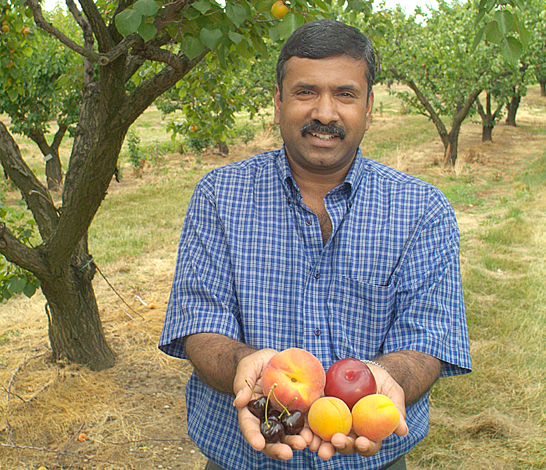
<point x="314" y="246"/>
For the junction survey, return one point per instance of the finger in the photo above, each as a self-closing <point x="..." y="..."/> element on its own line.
<point x="366" y="447"/>
<point x="343" y="444"/>
<point x="278" y="451"/>
<point x="402" y="428"/>
<point x="315" y="443"/>
<point x="250" y="427"/>
<point x="326" y="450"/>
<point x="296" y="442"/>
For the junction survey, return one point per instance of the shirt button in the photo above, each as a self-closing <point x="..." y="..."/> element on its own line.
<point x="308" y="222"/>
<point x="317" y="332"/>
<point x="317" y="275"/>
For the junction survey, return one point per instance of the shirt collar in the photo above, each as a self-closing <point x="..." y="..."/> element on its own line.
<point x="352" y="180"/>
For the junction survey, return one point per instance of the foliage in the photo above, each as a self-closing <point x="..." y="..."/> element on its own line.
<point x="48" y="89"/>
<point x="136" y="156"/>
<point x="17" y="40"/>
<point x="506" y="28"/>
<point x="432" y="57"/>
<point x="13" y="279"/>
<point x="210" y="97"/>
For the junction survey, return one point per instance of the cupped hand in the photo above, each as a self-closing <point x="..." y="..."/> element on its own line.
<point x="352" y="443"/>
<point x="247" y="383"/>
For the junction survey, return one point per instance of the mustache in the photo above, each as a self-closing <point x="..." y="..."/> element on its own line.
<point x="317" y="126"/>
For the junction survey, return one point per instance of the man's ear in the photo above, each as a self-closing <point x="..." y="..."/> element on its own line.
<point x="277" y="103"/>
<point x="369" y="109"/>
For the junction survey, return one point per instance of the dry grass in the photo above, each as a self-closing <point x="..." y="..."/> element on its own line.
<point x="133" y="415"/>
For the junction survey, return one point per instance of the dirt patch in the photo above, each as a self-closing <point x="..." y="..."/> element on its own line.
<point x="133" y="415"/>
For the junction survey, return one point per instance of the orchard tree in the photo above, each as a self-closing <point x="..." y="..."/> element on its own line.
<point x="211" y="96"/>
<point x="434" y="59"/>
<point x="118" y="40"/>
<point x="48" y="91"/>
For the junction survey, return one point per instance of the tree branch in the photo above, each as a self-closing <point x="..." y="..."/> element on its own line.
<point x="18" y="253"/>
<point x="49" y="28"/>
<point x="42" y="208"/>
<point x="425" y="102"/>
<point x="88" y="40"/>
<point x="104" y="38"/>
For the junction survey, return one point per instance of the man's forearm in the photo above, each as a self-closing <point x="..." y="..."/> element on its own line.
<point x="215" y="358"/>
<point x="414" y="371"/>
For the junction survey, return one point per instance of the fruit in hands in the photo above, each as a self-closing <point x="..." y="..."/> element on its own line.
<point x="350" y="380"/>
<point x="299" y="376"/>
<point x="257" y="407"/>
<point x="293" y="423"/>
<point x="279" y="9"/>
<point x="328" y="416"/>
<point x="375" y="417"/>
<point x="272" y="430"/>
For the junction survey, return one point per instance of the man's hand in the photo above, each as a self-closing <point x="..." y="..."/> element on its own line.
<point x="352" y="443"/>
<point x="249" y="374"/>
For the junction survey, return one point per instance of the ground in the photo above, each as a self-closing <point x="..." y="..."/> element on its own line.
<point x="133" y="415"/>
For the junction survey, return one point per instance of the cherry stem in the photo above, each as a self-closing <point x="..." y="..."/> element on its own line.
<point x="267" y="403"/>
<point x="253" y="392"/>
<point x="284" y="408"/>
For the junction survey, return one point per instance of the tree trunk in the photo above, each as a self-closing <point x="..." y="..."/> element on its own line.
<point x="75" y="329"/>
<point x="53" y="167"/>
<point x="451" y="146"/>
<point x="487" y="132"/>
<point x="542" y="87"/>
<point x="512" y="108"/>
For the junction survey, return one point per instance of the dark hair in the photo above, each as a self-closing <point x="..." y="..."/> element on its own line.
<point x="327" y="38"/>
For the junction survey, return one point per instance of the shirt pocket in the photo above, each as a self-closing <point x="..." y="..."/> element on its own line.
<point x="359" y="317"/>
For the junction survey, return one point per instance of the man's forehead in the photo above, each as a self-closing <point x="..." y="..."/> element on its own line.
<point x="303" y="66"/>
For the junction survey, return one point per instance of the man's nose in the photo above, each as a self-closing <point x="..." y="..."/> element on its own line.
<point x="325" y="110"/>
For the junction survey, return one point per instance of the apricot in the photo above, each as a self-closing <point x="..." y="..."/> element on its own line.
<point x="375" y="417"/>
<point x="329" y="415"/>
<point x="279" y="9"/>
<point x="299" y="377"/>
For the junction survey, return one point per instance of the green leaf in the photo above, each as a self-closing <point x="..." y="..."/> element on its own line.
<point x="29" y="290"/>
<point x="287" y="26"/>
<point x="511" y="49"/>
<point x="505" y="21"/>
<point x="146" y="7"/>
<point x="147" y="31"/>
<point x="235" y="37"/>
<point x="236" y="13"/>
<point x="16" y="285"/>
<point x="203" y="6"/>
<point x="128" y="21"/>
<point x="211" y="38"/>
<point x="493" y="34"/>
<point x="478" y="38"/>
<point x="194" y="47"/>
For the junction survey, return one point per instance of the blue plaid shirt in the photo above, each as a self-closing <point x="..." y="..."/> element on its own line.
<point x="252" y="266"/>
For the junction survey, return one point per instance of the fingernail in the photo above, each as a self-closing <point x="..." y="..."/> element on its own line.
<point x="239" y="393"/>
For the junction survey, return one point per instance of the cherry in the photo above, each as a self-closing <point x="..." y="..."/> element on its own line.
<point x="257" y="407"/>
<point x="272" y="430"/>
<point x="293" y="423"/>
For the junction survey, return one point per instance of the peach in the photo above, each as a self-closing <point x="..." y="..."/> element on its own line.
<point x="329" y="415"/>
<point x="375" y="417"/>
<point x="299" y="377"/>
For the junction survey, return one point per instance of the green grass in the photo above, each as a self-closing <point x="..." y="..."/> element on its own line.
<point x="494" y="418"/>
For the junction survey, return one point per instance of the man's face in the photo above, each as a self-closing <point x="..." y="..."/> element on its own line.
<point x="324" y="112"/>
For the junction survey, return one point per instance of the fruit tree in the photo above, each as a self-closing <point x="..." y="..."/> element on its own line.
<point x="133" y="51"/>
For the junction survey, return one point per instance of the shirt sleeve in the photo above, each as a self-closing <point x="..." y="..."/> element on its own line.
<point x="202" y="296"/>
<point x="430" y="312"/>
